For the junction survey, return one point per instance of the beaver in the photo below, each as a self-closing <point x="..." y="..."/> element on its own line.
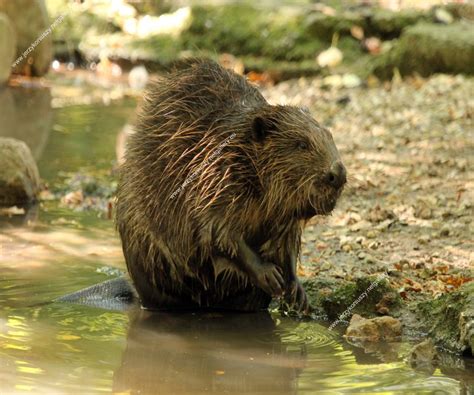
<point x="215" y="190"/>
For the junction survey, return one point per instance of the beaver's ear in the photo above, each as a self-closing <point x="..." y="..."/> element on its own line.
<point x="262" y="127"/>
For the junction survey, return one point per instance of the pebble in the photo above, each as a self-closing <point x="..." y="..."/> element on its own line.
<point x="371" y="234"/>
<point x="347" y="248"/>
<point x="445" y="231"/>
<point x="424" y="239"/>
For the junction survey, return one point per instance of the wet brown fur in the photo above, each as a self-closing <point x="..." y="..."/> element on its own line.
<point x="180" y="247"/>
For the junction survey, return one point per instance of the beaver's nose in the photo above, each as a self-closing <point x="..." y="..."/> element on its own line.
<point x="336" y="176"/>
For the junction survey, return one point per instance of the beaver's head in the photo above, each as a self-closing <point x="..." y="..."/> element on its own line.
<point x="297" y="162"/>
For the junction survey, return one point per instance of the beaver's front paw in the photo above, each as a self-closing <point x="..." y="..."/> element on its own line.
<point x="269" y="278"/>
<point x="296" y="298"/>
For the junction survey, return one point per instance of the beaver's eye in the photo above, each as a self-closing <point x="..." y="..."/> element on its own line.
<point x="303" y="145"/>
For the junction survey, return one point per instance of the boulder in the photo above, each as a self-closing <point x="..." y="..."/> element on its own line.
<point x="33" y="29"/>
<point x="375" y="329"/>
<point x="449" y="319"/>
<point x="19" y="176"/>
<point x="7" y="48"/>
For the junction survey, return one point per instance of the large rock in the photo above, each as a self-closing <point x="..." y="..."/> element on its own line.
<point x="33" y="30"/>
<point x="19" y="176"/>
<point x="449" y="319"/>
<point x="428" y="48"/>
<point x="7" y="48"/>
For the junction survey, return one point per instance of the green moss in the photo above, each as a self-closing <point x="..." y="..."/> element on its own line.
<point x="255" y="33"/>
<point x="77" y="23"/>
<point x="441" y="318"/>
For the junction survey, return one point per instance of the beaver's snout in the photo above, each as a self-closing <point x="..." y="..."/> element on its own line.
<point x="336" y="177"/>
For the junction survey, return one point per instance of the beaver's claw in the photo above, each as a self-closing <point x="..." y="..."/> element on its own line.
<point x="296" y="298"/>
<point x="269" y="278"/>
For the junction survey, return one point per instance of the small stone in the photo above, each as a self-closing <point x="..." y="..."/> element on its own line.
<point x="371" y="234"/>
<point x="73" y="198"/>
<point x="347" y="248"/>
<point x="351" y="81"/>
<point x="325" y="266"/>
<point x="369" y="259"/>
<point x="334" y="81"/>
<point x="445" y="231"/>
<point x="375" y="329"/>
<point x="443" y="16"/>
<point x="331" y="57"/>
<point x="424" y="239"/>
<point x="372" y="45"/>
<point x="424" y="213"/>
<point x="374" y="245"/>
<point x="383" y="305"/>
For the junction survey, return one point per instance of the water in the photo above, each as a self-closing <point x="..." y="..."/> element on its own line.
<point x="57" y="348"/>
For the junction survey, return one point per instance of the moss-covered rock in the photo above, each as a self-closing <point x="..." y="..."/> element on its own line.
<point x="272" y="34"/>
<point x="430" y="48"/>
<point x="323" y="27"/>
<point x="449" y="319"/>
<point x="19" y="178"/>
<point x="340" y="301"/>
<point x="389" y="24"/>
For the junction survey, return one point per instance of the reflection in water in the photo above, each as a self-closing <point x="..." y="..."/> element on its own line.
<point x="83" y="139"/>
<point x="26" y="115"/>
<point x="190" y="354"/>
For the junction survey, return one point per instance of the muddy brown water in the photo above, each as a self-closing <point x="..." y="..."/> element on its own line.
<point x="58" y="348"/>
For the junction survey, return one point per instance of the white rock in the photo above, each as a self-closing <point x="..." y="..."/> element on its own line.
<point x="351" y="81"/>
<point x="331" y="57"/>
<point x="443" y="16"/>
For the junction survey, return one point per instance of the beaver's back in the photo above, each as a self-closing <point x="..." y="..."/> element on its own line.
<point x="197" y="93"/>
